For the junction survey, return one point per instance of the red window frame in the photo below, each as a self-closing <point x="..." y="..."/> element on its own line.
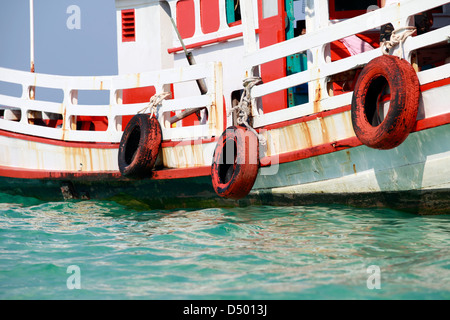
<point x="209" y="15"/>
<point x="186" y="18"/>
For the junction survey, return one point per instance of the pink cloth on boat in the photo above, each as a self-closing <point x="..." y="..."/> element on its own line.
<point x="356" y="45"/>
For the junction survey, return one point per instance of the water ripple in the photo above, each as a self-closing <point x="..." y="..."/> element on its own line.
<point x="312" y="252"/>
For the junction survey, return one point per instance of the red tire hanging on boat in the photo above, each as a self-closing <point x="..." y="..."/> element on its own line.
<point x="139" y="146"/>
<point x="235" y="163"/>
<point x="400" y="77"/>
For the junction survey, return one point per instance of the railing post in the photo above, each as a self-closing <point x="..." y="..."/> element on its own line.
<point x="317" y="17"/>
<point x="73" y="98"/>
<point x="118" y="100"/>
<point x="248" y="23"/>
<point x="218" y="104"/>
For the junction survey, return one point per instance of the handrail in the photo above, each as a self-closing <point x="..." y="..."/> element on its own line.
<point x="319" y="69"/>
<point x="345" y="64"/>
<point x="212" y="100"/>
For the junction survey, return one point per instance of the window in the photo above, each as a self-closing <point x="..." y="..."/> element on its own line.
<point x="186" y="18"/>
<point x="269" y="8"/>
<point x="343" y="9"/>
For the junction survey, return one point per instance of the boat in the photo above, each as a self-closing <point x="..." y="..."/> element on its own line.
<point x="246" y="102"/>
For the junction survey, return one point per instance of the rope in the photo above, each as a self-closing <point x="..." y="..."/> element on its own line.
<point x="243" y="107"/>
<point x="155" y="100"/>
<point x="386" y="46"/>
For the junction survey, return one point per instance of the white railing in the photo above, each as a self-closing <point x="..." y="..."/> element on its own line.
<point x="69" y="109"/>
<point x="315" y="42"/>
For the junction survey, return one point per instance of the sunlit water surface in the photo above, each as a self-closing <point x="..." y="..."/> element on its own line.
<point x="304" y="252"/>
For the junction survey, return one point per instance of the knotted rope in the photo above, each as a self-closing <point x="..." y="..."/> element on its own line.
<point x="244" y="104"/>
<point x="396" y="39"/>
<point x="155" y="100"/>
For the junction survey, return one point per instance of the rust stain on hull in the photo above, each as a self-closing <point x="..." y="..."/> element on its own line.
<point x="325" y="133"/>
<point x="317" y="97"/>
<point x="306" y="133"/>
<point x="138" y="80"/>
<point x="64" y="129"/>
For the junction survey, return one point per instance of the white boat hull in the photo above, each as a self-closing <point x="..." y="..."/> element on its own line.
<point x="420" y="163"/>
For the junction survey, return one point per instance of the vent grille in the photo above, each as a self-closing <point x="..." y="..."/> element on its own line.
<point x="128" y="26"/>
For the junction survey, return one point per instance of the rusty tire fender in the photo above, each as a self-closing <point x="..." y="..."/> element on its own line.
<point x="139" y="147"/>
<point x="235" y="163"/>
<point x="404" y="102"/>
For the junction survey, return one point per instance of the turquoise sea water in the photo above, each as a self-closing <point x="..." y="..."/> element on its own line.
<point x="306" y="252"/>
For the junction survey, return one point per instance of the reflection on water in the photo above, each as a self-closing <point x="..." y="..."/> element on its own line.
<point x="313" y="252"/>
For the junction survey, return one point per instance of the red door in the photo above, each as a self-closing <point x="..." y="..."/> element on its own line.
<point x="272" y="19"/>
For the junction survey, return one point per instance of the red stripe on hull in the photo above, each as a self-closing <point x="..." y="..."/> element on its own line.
<point x="22" y="173"/>
<point x="432" y="122"/>
<point x="182" y="173"/>
<point x="435" y="84"/>
<point x="311" y="152"/>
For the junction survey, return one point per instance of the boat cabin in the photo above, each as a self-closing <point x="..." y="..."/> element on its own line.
<point x="304" y="51"/>
<point x="213" y="31"/>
